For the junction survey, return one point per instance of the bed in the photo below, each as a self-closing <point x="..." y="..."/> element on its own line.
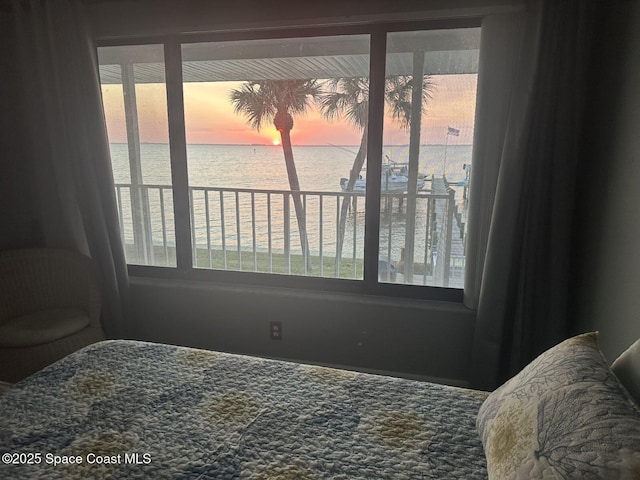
<point x="129" y="409"/>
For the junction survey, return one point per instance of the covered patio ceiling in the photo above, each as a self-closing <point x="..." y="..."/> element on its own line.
<point x="445" y="52"/>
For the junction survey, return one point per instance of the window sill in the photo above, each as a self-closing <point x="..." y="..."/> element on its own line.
<point x="302" y="285"/>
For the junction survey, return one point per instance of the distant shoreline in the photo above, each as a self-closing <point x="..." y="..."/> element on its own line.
<point x="305" y="145"/>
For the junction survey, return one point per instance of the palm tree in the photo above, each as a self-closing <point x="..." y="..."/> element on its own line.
<point x="278" y="101"/>
<point x="349" y="98"/>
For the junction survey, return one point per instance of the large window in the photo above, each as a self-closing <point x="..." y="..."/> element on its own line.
<point x="306" y="156"/>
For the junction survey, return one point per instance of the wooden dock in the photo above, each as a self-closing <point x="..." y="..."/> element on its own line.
<point x="456" y="262"/>
<point x="455" y="276"/>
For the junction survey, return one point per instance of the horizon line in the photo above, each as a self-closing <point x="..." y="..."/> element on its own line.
<point x="298" y="145"/>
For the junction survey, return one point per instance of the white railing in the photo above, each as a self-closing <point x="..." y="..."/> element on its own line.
<point x="256" y="230"/>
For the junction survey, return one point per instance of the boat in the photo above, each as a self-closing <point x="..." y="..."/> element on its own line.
<point x="394" y="179"/>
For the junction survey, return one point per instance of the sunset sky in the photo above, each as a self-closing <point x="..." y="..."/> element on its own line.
<point x="210" y="119"/>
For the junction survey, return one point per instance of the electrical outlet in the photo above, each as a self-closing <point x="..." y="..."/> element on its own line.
<point x="275" y="329"/>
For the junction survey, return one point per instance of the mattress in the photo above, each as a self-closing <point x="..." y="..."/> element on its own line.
<point x="128" y="409"/>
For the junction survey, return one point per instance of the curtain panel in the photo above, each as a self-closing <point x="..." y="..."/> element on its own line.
<point x="525" y="165"/>
<point x="64" y="168"/>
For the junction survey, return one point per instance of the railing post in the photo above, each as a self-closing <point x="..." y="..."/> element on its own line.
<point x="194" y="243"/>
<point x="269" y="233"/>
<point x="321" y="233"/>
<point x="427" y="243"/>
<point x="305" y="242"/>
<point x="338" y="257"/>
<point x="287" y="231"/>
<point x="223" y="235"/>
<point x="253" y="231"/>
<point x="238" y="235"/>
<point x="447" y="251"/>
<point x="389" y="201"/>
<point x="355" y="235"/>
<point x="207" y="225"/>
<point x="164" y="227"/>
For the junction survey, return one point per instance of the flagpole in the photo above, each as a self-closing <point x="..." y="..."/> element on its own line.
<point x="450" y="131"/>
<point x="446" y="144"/>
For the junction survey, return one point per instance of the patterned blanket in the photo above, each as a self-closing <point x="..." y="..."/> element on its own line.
<point x="125" y="409"/>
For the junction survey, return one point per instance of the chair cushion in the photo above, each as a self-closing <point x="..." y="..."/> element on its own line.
<point x="43" y="326"/>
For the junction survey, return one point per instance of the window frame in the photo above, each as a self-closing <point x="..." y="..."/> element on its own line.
<point x="369" y="285"/>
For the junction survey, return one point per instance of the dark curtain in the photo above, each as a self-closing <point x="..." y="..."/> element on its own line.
<point x="527" y="153"/>
<point x="60" y="154"/>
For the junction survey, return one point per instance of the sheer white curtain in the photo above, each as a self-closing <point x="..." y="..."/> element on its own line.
<point x="64" y="169"/>
<point x="533" y="68"/>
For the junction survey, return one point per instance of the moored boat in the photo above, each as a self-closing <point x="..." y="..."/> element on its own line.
<point x="394" y="179"/>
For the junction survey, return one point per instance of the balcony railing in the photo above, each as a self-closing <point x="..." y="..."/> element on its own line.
<point x="256" y="230"/>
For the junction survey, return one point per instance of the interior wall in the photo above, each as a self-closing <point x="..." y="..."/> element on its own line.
<point x="411" y="338"/>
<point x="430" y="340"/>
<point x="148" y="17"/>
<point x="608" y="222"/>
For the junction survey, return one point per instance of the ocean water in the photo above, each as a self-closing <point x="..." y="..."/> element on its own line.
<point x="262" y="167"/>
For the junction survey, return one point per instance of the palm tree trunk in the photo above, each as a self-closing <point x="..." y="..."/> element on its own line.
<point x="358" y="163"/>
<point x="294" y="185"/>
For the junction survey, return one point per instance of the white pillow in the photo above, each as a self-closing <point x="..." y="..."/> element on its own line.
<point x="627" y="369"/>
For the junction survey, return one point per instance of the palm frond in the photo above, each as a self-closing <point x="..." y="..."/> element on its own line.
<point x="399" y="96"/>
<point x="348" y="97"/>
<point x="254" y="102"/>
<point x="299" y="94"/>
<point x="259" y="101"/>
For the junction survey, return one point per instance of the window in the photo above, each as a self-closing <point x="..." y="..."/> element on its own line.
<point x="268" y="137"/>
<point x="430" y="97"/>
<point x="316" y="156"/>
<point x="134" y="97"/>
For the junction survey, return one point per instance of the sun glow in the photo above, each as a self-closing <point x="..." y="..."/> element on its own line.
<point x="276" y="141"/>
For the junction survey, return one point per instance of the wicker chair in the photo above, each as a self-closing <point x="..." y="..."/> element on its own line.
<point x="49" y="307"/>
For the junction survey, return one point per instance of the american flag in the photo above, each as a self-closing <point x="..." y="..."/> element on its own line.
<point x="453" y="131"/>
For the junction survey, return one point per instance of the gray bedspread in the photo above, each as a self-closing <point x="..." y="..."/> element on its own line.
<point x="125" y="409"/>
